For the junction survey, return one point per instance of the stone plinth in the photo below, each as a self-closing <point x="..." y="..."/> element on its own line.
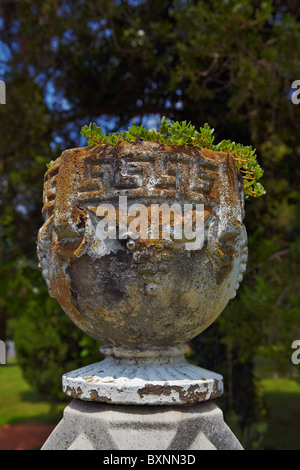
<point x="132" y="376"/>
<point x="101" y="426"/>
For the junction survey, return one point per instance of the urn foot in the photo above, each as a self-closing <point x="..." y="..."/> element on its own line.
<point x="143" y="376"/>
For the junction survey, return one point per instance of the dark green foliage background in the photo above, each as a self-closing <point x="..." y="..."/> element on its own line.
<point x="228" y="63"/>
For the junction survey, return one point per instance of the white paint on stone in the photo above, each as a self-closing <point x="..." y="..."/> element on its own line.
<point x="143" y="378"/>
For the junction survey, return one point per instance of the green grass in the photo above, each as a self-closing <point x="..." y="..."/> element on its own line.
<point x="282" y="402"/>
<point x="19" y="402"/>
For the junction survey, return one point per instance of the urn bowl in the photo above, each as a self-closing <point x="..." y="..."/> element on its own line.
<point x="142" y="292"/>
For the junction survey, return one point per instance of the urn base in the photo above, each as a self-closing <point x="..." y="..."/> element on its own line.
<point x="137" y="376"/>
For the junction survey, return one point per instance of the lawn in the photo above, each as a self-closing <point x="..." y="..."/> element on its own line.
<point x="282" y="402"/>
<point x="19" y="402"/>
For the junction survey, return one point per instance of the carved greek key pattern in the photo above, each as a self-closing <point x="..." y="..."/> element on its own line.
<point x="130" y="174"/>
<point x="137" y="175"/>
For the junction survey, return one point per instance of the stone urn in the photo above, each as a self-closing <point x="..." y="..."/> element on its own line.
<point x="142" y="297"/>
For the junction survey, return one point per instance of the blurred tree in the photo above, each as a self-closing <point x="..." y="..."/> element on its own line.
<point x="228" y="63"/>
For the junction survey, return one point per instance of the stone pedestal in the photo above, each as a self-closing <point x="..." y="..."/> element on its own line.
<point x="101" y="426"/>
<point x="143" y="376"/>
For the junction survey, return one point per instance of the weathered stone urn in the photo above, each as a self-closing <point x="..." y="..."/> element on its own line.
<point x="143" y="298"/>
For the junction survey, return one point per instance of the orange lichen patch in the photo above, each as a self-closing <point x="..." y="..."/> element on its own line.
<point x="60" y="289"/>
<point x="224" y="250"/>
<point x="142" y="244"/>
<point x="94" y="396"/>
<point x="73" y="392"/>
<point x="187" y="396"/>
<point x="66" y="193"/>
<point x="233" y="183"/>
<point x="68" y="249"/>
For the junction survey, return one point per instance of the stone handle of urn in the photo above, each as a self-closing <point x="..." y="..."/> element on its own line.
<point x="69" y="219"/>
